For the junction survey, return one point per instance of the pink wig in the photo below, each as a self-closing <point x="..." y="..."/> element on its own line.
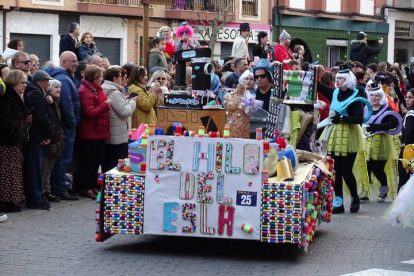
<point x="184" y="28"/>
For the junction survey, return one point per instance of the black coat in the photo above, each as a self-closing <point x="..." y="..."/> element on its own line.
<point x="259" y="51"/>
<point x="67" y="43"/>
<point x="407" y="136"/>
<point x="43" y="115"/>
<point x="361" y="51"/>
<point x="13" y="114"/>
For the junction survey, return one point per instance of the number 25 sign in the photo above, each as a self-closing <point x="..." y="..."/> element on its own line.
<point x="246" y="198"/>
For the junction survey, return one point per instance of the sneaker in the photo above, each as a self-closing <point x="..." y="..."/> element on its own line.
<point x="3" y="217"/>
<point x="338" y="210"/>
<point x="43" y="205"/>
<point x="383" y="192"/>
<point x="364" y="196"/>
<point x="52" y="198"/>
<point x="355" y="202"/>
<point x="66" y="196"/>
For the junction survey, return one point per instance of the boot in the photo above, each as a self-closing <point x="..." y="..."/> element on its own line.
<point x="355" y="202"/>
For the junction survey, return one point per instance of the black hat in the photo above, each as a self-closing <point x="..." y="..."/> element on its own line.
<point x="375" y="86"/>
<point x="244" y="27"/>
<point x="344" y="68"/>
<point x="361" y="35"/>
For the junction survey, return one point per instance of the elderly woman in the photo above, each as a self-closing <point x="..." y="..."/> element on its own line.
<point x="344" y="151"/>
<point x="148" y="99"/>
<point x="119" y="114"/>
<point x="380" y="146"/>
<point x="13" y="133"/>
<point x="56" y="144"/>
<point x="94" y="128"/>
<point x="88" y="47"/>
<point x="161" y="78"/>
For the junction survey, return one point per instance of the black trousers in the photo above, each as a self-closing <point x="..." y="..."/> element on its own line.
<point x="91" y="157"/>
<point x="377" y="167"/>
<point x="343" y="169"/>
<point x="112" y="154"/>
<point x="402" y="173"/>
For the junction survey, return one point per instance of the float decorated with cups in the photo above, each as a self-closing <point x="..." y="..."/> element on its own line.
<point x="184" y="177"/>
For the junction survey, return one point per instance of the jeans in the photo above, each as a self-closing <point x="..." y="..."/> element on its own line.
<point x="58" y="177"/>
<point x="33" y="173"/>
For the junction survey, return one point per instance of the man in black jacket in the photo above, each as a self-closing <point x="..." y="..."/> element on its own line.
<point x="70" y="41"/>
<point x="40" y="134"/>
<point x="360" y="51"/>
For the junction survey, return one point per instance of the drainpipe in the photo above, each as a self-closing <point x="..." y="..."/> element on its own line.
<point x="5" y="22"/>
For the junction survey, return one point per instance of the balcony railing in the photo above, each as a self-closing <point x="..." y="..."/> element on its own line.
<point x="249" y="7"/>
<point x="203" y="5"/>
<point x="113" y="2"/>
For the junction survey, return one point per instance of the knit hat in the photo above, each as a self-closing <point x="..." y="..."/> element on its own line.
<point x="264" y="64"/>
<point x="244" y="27"/>
<point x="284" y="35"/>
<point x="361" y="35"/>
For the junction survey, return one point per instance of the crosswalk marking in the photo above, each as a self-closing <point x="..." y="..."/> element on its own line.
<point x="380" y="272"/>
<point x="408" y="262"/>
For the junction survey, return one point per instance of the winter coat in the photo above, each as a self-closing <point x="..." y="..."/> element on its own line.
<point x="13" y="114"/>
<point x="70" y="108"/>
<point x="283" y="53"/>
<point x="42" y="127"/>
<point x="57" y="142"/>
<point x="157" y="59"/>
<point x="8" y="54"/>
<point x="85" y="51"/>
<point x="259" y="51"/>
<point x="169" y="49"/>
<point x="240" y="49"/>
<point x="361" y="51"/>
<point x="146" y="104"/>
<point x="67" y="43"/>
<point x="94" y="123"/>
<point x="119" y="113"/>
<point x="233" y="80"/>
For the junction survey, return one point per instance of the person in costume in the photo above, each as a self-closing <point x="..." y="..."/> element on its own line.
<point x="185" y="33"/>
<point x="379" y="145"/>
<point x="165" y="32"/>
<point x="345" y="137"/>
<point x="407" y="136"/>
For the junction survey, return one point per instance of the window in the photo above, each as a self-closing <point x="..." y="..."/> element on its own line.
<point x="367" y="7"/>
<point x="404" y="29"/>
<point x="333" y="5"/>
<point x="250" y="7"/>
<point x="48" y="2"/>
<point x="298" y="4"/>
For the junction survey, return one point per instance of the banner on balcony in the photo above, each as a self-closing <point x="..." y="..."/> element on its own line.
<point x="203" y="187"/>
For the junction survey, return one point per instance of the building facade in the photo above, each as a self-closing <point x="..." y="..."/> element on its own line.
<point x="400" y="17"/>
<point x="117" y="25"/>
<point x="329" y="26"/>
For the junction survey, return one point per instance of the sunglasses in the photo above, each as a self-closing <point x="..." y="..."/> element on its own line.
<point x="158" y="79"/>
<point x="183" y="32"/>
<point x="25" y="62"/>
<point x="262" y="76"/>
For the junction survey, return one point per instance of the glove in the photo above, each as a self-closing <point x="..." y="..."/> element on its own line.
<point x="372" y="128"/>
<point x="335" y="118"/>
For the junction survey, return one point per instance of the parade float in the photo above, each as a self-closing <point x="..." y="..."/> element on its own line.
<point x="200" y="182"/>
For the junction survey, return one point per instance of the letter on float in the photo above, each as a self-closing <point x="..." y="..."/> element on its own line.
<point x="188" y="215"/>
<point x="209" y="155"/>
<point x="229" y="220"/>
<point x="170" y="216"/>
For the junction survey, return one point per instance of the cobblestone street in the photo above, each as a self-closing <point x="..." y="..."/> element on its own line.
<point x="61" y="242"/>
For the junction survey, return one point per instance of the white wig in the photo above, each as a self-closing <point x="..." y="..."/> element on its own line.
<point x="379" y="92"/>
<point x="247" y="73"/>
<point x="350" y="79"/>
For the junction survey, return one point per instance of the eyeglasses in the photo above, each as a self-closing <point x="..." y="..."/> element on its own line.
<point x="158" y="79"/>
<point x="262" y="76"/>
<point x="25" y="62"/>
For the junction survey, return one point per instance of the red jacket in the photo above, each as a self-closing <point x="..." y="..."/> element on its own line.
<point x="281" y="53"/>
<point x="169" y="49"/>
<point x="94" y="124"/>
